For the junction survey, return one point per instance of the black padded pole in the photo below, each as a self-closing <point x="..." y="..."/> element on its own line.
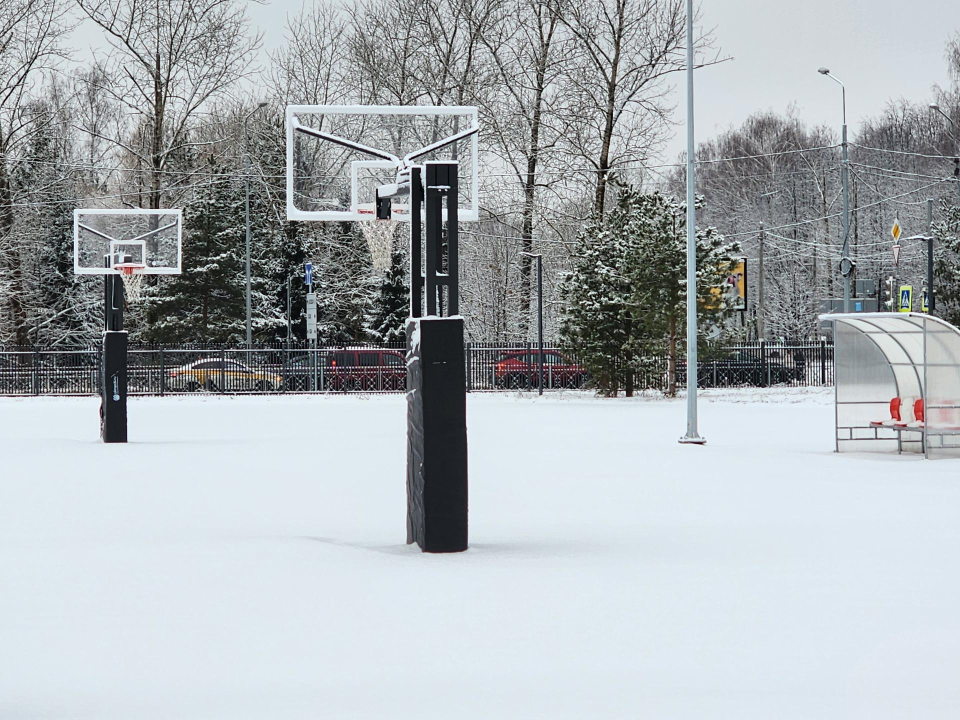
<point x="433" y="209"/>
<point x="113" y="381"/>
<point x="416" y="242"/>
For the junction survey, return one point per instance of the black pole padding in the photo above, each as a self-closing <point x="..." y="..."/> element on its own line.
<point x="416" y="241"/>
<point x="113" y="408"/>
<point x="436" y="435"/>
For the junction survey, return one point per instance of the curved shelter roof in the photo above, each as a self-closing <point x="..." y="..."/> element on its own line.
<point x="880" y="356"/>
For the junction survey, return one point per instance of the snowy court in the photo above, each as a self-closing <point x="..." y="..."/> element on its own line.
<point x="245" y="558"/>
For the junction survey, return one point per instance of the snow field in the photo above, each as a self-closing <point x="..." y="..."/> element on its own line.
<point x="244" y="558"/>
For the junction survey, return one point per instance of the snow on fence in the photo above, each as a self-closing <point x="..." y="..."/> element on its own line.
<point x="368" y="368"/>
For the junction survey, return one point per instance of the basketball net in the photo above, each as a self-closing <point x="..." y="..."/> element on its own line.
<point x="379" y="236"/>
<point x="132" y="281"/>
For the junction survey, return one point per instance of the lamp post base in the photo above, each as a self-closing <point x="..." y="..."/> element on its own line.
<point x="695" y="440"/>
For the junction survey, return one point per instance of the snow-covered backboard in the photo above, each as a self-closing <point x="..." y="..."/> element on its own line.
<point x="338" y="155"/>
<point x="147" y="238"/>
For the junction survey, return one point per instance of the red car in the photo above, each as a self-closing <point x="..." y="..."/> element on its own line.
<point x="518" y="370"/>
<point x="365" y="370"/>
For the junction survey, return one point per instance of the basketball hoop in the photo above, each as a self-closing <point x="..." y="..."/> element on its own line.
<point x="379" y="236"/>
<point x="132" y="276"/>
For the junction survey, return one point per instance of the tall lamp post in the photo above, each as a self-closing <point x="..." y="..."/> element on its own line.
<point x="539" y="258"/>
<point x="246" y="184"/>
<point x="846" y="264"/>
<point x="956" y="147"/>
<point x="692" y="436"/>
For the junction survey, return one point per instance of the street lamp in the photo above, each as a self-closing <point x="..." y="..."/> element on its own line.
<point x="539" y="258"/>
<point x="956" y="146"/>
<point x="691" y="437"/>
<point x="246" y="184"/>
<point x="846" y="264"/>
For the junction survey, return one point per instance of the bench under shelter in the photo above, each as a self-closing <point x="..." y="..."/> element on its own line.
<point x="897" y="383"/>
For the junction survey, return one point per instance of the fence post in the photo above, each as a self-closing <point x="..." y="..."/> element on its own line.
<point x="36" y="371"/>
<point x="529" y="364"/>
<point x="163" y="373"/>
<point x="469" y="359"/>
<point x="823" y="361"/>
<point x="764" y="366"/>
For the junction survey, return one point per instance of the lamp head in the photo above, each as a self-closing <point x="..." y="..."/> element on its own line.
<point x="934" y="106"/>
<point x="261" y="105"/>
<point x="824" y="71"/>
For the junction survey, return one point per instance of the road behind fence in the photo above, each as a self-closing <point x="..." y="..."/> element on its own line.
<point x="174" y="369"/>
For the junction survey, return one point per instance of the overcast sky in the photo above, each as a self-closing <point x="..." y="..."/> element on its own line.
<point x="881" y="50"/>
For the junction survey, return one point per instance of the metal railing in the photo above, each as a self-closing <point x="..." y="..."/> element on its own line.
<point x="367" y="368"/>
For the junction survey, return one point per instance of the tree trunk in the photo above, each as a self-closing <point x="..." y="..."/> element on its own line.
<point x="672" y="359"/>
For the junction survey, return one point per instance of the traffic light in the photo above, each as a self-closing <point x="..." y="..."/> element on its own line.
<point x="891" y="300"/>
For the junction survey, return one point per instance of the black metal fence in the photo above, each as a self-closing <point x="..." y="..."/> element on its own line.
<point x="174" y="369"/>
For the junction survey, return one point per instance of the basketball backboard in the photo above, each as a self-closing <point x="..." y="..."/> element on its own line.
<point x="149" y="240"/>
<point x="338" y="155"/>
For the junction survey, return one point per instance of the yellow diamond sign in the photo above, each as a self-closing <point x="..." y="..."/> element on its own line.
<point x="896" y="230"/>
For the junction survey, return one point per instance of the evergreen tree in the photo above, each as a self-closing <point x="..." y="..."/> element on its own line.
<point x="207" y="301"/>
<point x="391" y="306"/>
<point x="946" y="264"/>
<point x="626" y="295"/>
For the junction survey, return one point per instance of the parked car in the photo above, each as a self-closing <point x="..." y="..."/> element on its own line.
<point x="216" y="375"/>
<point x="514" y="369"/>
<point x="369" y="370"/>
<point x="740" y="368"/>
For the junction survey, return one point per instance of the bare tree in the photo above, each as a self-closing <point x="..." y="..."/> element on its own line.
<point x="31" y="32"/>
<point x="311" y="68"/>
<point x="626" y="51"/>
<point x="170" y="60"/>
<point x="524" y="110"/>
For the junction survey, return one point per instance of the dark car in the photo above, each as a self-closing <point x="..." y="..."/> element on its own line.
<point x="364" y="370"/>
<point x="518" y="370"/>
<point x="740" y="368"/>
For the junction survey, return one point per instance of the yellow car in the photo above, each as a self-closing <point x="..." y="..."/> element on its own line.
<point x="220" y="376"/>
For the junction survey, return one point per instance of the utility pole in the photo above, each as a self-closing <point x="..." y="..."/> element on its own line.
<point x="846" y="264"/>
<point x="760" y="316"/>
<point x="956" y="158"/>
<point x="931" y="295"/>
<point x="691" y="436"/>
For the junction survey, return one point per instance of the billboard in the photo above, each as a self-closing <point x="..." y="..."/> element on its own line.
<point x="735" y="285"/>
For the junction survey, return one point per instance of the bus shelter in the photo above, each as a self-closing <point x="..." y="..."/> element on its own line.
<point x="897" y="383"/>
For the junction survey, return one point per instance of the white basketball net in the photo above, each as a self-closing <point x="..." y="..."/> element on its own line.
<point x="132" y="282"/>
<point x="379" y="236"/>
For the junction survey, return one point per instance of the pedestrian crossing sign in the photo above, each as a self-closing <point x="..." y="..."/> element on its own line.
<point x="906" y="298"/>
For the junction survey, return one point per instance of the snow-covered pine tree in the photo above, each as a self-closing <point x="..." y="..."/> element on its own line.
<point x="946" y="264"/>
<point x="626" y="296"/>
<point x="602" y="319"/>
<point x="391" y="306"/>
<point x="206" y="302"/>
<point x="659" y="224"/>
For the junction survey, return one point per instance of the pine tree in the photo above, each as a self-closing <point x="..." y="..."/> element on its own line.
<point x="207" y="301"/>
<point x="626" y="296"/>
<point x="391" y="306"/>
<point x="947" y="264"/>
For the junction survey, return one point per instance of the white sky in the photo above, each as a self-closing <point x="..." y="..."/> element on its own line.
<point x="881" y="50"/>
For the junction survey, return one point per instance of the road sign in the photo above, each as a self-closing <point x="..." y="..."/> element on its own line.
<point x="906" y="298"/>
<point x="308" y="274"/>
<point x="896" y="255"/>
<point x="311" y="316"/>
<point x="896" y="230"/>
<point x="925" y="301"/>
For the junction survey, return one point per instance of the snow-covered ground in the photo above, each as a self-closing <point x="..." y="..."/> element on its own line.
<point x="244" y="558"/>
